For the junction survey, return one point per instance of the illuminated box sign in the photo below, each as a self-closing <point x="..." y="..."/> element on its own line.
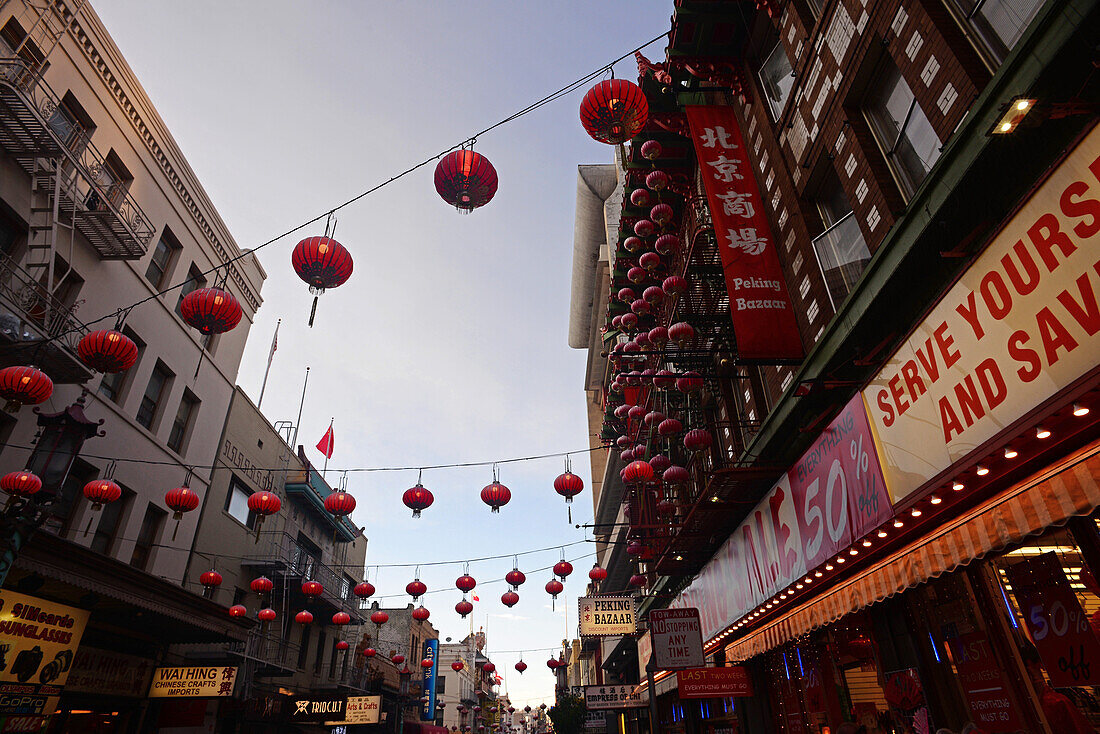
<point x="202" y="682"/>
<point x="360" y="710"/>
<point x="714" y="682"/>
<point x="607" y="698"/>
<point x="1021" y="324"/>
<point x="607" y="615"/>
<point x="317" y="708"/>
<point x="38" y="640"/>
<point x="677" y="638"/>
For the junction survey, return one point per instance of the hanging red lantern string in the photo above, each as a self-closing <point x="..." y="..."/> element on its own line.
<point x="322" y="263"/>
<point x="20" y="484"/>
<point x="515" y="578"/>
<point x="553" y="588"/>
<point x="211" y="310"/>
<point x="466" y="582"/>
<point x="21" y="386"/>
<point x="379" y="618"/>
<point x="563" y="568"/>
<point x="466" y="180"/>
<point x="426" y="663"/>
<point x="369" y="652"/>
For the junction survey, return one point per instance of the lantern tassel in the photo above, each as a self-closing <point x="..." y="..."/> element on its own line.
<point x="202" y="352"/>
<point x="569" y="511"/>
<point x="313" y="311"/>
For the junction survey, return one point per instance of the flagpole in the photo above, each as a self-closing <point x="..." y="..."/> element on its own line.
<point x="294" y="441"/>
<point x="270" y="355"/>
<point x="325" y="469"/>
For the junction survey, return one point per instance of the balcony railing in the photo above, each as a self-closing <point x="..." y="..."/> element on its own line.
<point x="30" y="315"/>
<point x="103" y="210"/>
<point x="286" y="555"/>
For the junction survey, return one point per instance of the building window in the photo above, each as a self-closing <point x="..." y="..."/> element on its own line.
<point x="154" y="392"/>
<point x="777" y="79"/>
<point x="345" y="587"/>
<point x="840" y="249"/>
<point x="111" y="185"/>
<point x="907" y="138"/>
<point x="112" y="384"/>
<point x="319" y="659"/>
<point x="303" y="651"/>
<point x="195" y="280"/>
<point x="441" y="685"/>
<point x="161" y="261"/>
<point x="1000" y="23"/>
<point x="334" y="656"/>
<point x="236" y="504"/>
<point x="181" y="426"/>
<point x="109" y="522"/>
<point x="147" y="538"/>
<point x="12" y="36"/>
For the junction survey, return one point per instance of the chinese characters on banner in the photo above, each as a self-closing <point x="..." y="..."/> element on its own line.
<point x="832" y="496"/>
<point x="763" y="318"/>
<point x="1057" y="623"/>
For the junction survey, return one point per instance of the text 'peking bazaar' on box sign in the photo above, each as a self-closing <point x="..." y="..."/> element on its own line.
<point x="1020" y="325"/>
<point x="763" y="317"/>
<point x="714" y="682"/>
<point x="607" y="615"/>
<point x="38" y="640"/>
<point x="205" y="682"/>
<point x="834" y="494"/>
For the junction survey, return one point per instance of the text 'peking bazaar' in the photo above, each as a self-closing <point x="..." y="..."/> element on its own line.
<point x="843" y="337"/>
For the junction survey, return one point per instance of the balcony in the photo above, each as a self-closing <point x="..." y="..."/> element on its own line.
<point x="104" y="212"/>
<point x="29" y="316"/>
<point x="281" y="554"/>
<point x="269" y="649"/>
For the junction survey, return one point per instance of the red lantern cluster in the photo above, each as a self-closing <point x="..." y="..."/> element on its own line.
<point x="597" y="574"/>
<point x="554" y="587"/>
<point x="417" y="498"/>
<point x="25" y="385"/>
<point x="466" y="180"/>
<point x="496" y="495"/>
<point x="614" y="111"/>
<point x="101" y="492"/>
<point x="416" y="588"/>
<point x="107" y="350"/>
<point x="637" y="471"/>
<point x="210" y="310"/>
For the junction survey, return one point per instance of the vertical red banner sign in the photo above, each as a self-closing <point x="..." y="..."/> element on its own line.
<point x="1058" y="624"/>
<point x="763" y="317"/>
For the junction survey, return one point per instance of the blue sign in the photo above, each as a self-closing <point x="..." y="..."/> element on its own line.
<point x="431" y="652"/>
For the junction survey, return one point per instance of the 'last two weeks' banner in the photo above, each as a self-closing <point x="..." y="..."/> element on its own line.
<point x="763" y="318"/>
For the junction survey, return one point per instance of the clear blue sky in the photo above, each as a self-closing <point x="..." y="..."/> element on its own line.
<point x="448" y="344"/>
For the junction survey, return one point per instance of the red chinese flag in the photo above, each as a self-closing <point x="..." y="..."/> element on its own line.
<point x="325" y="445"/>
<point x="763" y="316"/>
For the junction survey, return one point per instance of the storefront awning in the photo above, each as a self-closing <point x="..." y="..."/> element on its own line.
<point x="1065" y="490"/>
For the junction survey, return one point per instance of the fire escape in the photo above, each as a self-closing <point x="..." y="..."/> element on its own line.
<point x="72" y="190"/>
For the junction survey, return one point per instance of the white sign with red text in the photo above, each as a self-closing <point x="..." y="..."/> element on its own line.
<point x="677" y="638"/>
<point x="1020" y="325"/>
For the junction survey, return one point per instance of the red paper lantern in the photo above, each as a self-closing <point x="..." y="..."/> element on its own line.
<point x="463" y="608"/>
<point x="421" y="614"/>
<point x="515" y="578"/>
<point x="674" y="285"/>
<point x="626" y="456"/>
<point x="638" y="471"/>
<point x="667" y="244"/>
<point x="465" y="583"/>
<point x="626" y="295"/>
<point x="641" y="197"/>
<point x="665" y="508"/>
<point x="640" y="306"/>
<point x="656" y="180"/>
<point x="614" y="111"/>
<point x="107" y="350"/>
<point x="509" y="599"/>
<point x="697" y="439"/>
<point x="341" y="618"/>
<point x="681" y="332"/>
<point x="312" y="589"/>
<point x="553" y="663"/>
<point x="653" y="294"/>
<point x="25" y="385"/>
<point x="101" y="492"/>
<point x="266" y="615"/>
<point x="210" y="310"/>
<point x="496" y="495"/>
<point x="466" y="180"/>
<point x="426" y="663"/>
<point x="661" y="213"/>
<point x="181" y="500"/>
<point x="304" y="617"/>
<point x="264" y="503"/>
<point x="670" y="427"/>
<point x="339" y="504"/>
<point x="658" y="335"/>
<point x="397" y="659"/>
<point x="630" y="320"/>
<point x="554" y="587"/>
<point x="457" y="666"/>
<point x="521" y="666"/>
<point x="211" y="579"/>
<point x="676" y="476"/>
<point x="363" y="589"/>
<point x="417" y="498"/>
<point x="322" y="263"/>
<point x="416" y="588"/>
<point x="644" y="228"/>
<point x="638" y="581"/>
<point x="563" y="568"/>
<point x="342" y="645"/>
<point x="369" y="652"/>
<point x="650" y="261"/>
<point x="238" y="610"/>
<point x="489" y="668"/>
<point x="568" y="485"/>
<point x="664" y="379"/>
<point x="597" y="574"/>
<point x="636" y="412"/>
<point x="659" y="463"/>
